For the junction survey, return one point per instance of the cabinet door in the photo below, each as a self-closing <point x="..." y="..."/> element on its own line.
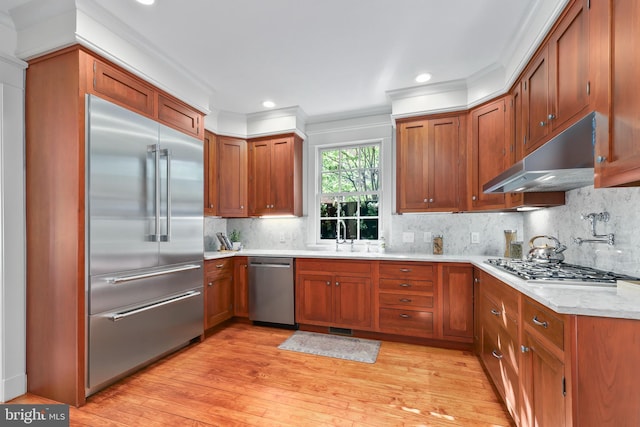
<point x="618" y="150"/>
<point x="232" y="177"/>
<point x="488" y="153"/>
<point x="543" y="383"/>
<point x="444" y="161"/>
<point x="412" y="166"/>
<point x="218" y="300"/>
<point x="352" y="301"/>
<point x="314" y="299"/>
<point x="536" y="107"/>
<point x="122" y="88"/>
<point x="457" y="302"/>
<point x="569" y="59"/>
<point x="281" y="176"/>
<point x="240" y="287"/>
<point x="210" y="174"/>
<point x="259" y="177"/>
<point x="179" y="116"/>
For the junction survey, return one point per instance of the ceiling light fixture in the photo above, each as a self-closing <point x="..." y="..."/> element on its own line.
<point x="268" y="104"/>
<point x="146" y="2"/>
<point x="424" y="77"/>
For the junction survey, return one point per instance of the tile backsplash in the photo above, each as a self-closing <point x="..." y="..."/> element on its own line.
<point x="563" y="222"/>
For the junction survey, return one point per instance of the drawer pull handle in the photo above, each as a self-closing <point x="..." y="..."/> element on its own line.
<point x="495" y="312"/>
<point x="405" y="285"/>
<point x="497" y="355"/>
<point x="405" y="270"/>
<point x="544" y="324"/>
<point x="219" y="265"/>
<point x="405" y="300"/>
<point x="405" y="316"/>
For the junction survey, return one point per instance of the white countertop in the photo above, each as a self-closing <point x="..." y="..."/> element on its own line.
<point x="619" y="302"/>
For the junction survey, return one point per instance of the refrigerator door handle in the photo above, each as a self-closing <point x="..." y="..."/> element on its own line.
<point x="155" y="237"/>
<point x="125" y="314"/>
<point x="167" y="237"/>
<point x="122" y="279"/>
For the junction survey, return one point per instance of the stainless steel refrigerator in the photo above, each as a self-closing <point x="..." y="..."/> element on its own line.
<point x="145" y="241"/>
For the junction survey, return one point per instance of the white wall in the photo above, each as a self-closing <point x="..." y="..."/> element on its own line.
<point x="12" y="230"/>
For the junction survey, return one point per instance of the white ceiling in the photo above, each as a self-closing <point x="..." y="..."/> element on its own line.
<point x="325" y="56"/>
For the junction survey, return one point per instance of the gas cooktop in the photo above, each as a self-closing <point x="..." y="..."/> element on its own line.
<point x="538" y="272"/>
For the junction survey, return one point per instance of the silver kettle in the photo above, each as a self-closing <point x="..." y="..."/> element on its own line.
<point x="546" y="253"/>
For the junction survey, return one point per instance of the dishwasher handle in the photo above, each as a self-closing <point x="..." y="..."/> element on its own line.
<point x="269" y="264"/>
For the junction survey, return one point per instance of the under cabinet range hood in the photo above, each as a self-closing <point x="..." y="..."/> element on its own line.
<point x="563" y="163"/>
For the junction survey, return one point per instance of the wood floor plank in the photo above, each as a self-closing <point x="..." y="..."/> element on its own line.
<point x="238" y="377"/>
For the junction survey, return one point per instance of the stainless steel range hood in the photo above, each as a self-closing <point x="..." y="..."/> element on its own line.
<point x="561" y="164"/>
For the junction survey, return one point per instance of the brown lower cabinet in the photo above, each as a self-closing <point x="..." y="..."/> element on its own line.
<point x="555" y="369"/>
<point x="423" y="300"/>
<point x="334" y="293"/>
<point x="241" y="286"/>
<point x="218" y="291"/>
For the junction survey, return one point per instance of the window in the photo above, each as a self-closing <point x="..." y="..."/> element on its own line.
<point x="349" y="196"/>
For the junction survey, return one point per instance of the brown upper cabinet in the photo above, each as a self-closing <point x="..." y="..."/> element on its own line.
<point x="275" y="175"/>
<point x="616" y="30"/>
<point x="117" y="85"/>
<point x="232" y="177"/>
<point x="488" y="152"/>
<point x="555" y="87"/>
<point x="430" y="153"/>
<point x="210" y="173"/>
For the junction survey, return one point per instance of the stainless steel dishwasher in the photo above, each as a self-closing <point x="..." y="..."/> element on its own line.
<point x="271" y="290"/>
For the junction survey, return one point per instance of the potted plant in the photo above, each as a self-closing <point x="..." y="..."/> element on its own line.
<point x="234" y="236"/>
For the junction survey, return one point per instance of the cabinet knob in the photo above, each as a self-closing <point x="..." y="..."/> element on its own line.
<point x="211" y="205"/>
<point x="601" y="159"/>
<point x="430" y="200"/>
<point x="337" y="283"/>
<point x="328" y="283"/>
<point x="495" y="312"/>
<point x="425" y="200"/>
<point x="241" y="206"/>
<point x="210" y="283"/>
<point x="524" y="349"/>
<point x="474" y="198"/>
<point x="551" y="116"/>
<point x="543" y="124"/>
<point x="476" y="280"/>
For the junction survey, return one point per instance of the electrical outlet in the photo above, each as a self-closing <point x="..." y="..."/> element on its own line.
<point x="427" y="237"/>
<point x="475" y="237"/>
<point x="407" y="237"/>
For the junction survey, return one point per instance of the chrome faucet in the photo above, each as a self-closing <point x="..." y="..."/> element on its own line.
<point x="340" y="241"/>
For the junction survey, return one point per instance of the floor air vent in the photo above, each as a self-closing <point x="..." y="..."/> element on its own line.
<point x="340" y="331"/>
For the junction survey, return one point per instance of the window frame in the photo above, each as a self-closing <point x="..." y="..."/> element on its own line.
<point x="318" y="190"/>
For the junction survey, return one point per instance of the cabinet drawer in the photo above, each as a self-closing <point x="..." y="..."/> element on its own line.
<point x="406" y="285"/>
<point x="504" y="295"/>
<point x="343" y="267"/>
<point x="405" y="300"/>
<point x="547" y="323"/>
<point x="418" y="270"/>
<point x="502" y="373"/>
<point x="218" y="268"/>
<point x="495" y="317"/>
<point x="406" y="322"/>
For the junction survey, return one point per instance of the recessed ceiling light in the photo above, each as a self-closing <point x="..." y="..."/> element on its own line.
<point x="146" y="2"/>
<point x="424" y="77"/>
<point x="268" y="104"/>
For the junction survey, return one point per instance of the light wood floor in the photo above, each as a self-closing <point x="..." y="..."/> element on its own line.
<point x="238" y="377"/>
